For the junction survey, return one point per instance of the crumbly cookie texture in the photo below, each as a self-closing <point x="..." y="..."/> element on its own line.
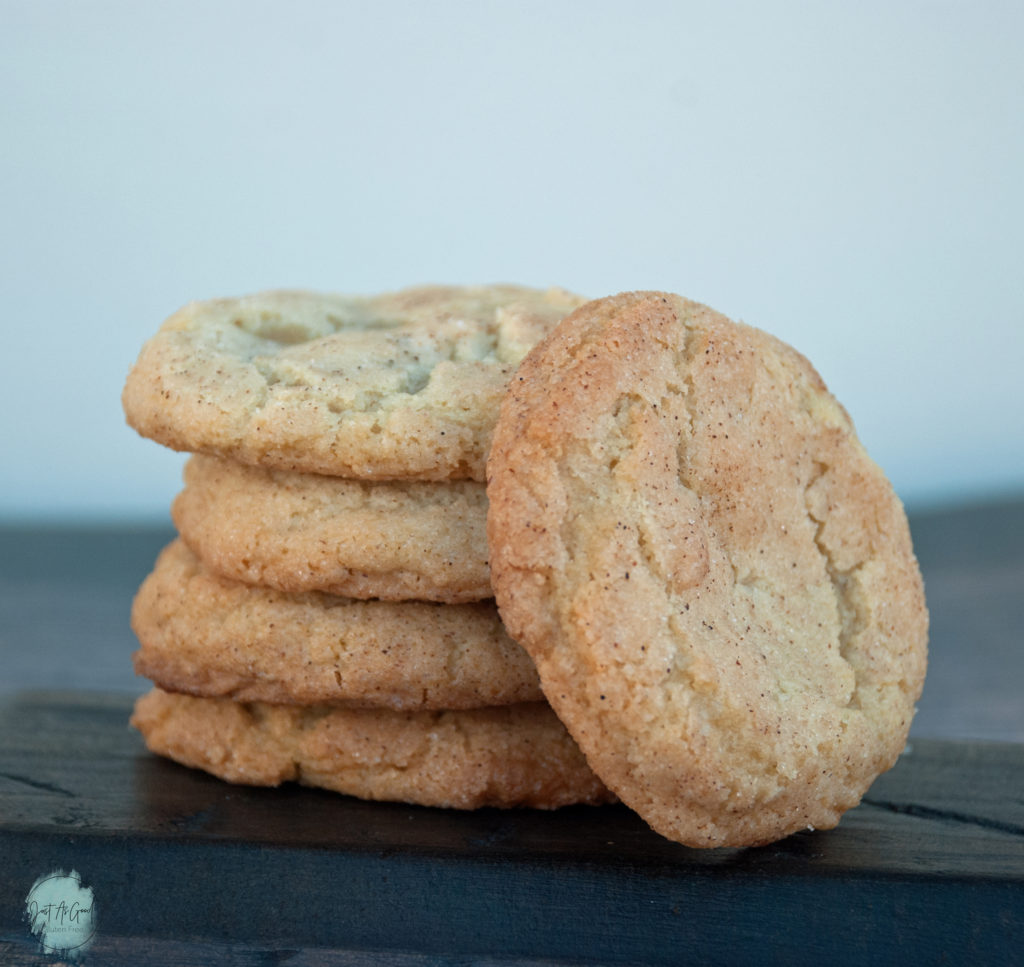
<point x="207" y="635"/>
<point x="517" y="755"/>
<point x="395" y="386"/>
<point x="715" y="581"/>
<point x="393" y="540"/>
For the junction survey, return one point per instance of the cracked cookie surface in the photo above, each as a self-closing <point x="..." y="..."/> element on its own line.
<point x="210" y="636"/>
<point x="395" y="386"/>
<point x="515" y="755"/>
<point x="392" y="540"/>
<point x="715" y="581"/>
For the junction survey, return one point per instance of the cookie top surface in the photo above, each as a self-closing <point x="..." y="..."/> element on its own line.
<point x="206" y="635"/>
<point x="716" y="583"/>
<point x="514" y="755"/>
<point x="394" y="386"/>
<point x="394" y="540"/>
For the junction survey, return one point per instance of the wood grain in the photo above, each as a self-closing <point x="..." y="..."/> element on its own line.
<point x="930" y="866"/>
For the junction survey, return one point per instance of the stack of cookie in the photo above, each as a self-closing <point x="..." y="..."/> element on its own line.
<point x="711" y="582"/>
<point x="326" y="613"/>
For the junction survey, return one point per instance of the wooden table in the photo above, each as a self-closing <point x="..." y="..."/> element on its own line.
<point x="188" y="870"/>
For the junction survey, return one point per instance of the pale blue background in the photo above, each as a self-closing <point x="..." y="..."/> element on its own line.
<point x="845" y="175"/>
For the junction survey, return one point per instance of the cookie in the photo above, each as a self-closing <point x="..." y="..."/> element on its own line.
<point x="394" y="540"/>
<point x="715" y="581"/>
<point x="395" y="386"/>
<point x="516" y="755"/>
<point x="210" y="636"/>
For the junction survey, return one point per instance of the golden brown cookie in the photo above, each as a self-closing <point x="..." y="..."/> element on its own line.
<point x="516" y="755"/>
<point x="207" y="635"/>
<point x="395" y="540"/>
<point x="715" y="581"/>
<point x="396" y="386"/>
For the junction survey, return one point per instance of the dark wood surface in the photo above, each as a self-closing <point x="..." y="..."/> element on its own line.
<point x="188" y="870"/>
<point x="929" y="869"/>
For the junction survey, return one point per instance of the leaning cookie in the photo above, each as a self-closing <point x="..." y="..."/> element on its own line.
<point x="396" y="386"/>
<point x="517" y="755"/>
<point x="715" y="581"/>
<point x="210" y="636"/>
<point x="394" y="540"/>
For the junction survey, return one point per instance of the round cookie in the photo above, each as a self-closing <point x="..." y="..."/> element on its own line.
<point x="394" y="540"/>
<point x="395" y="386"/>
<point x="207" y="635"/>
<point x="716" y="583"/>
<point x="516" y="755"/>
